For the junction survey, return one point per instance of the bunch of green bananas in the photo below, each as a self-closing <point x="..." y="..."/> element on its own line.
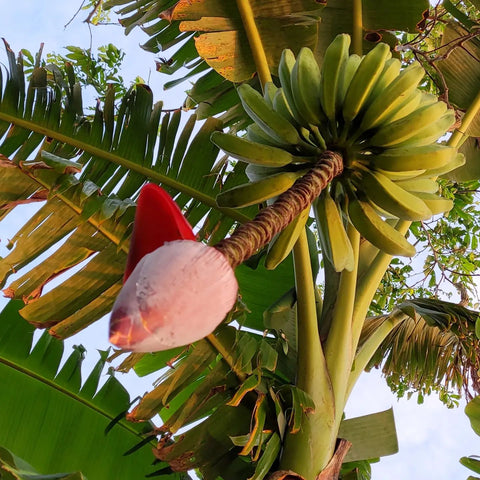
<point x="369" y="110"/>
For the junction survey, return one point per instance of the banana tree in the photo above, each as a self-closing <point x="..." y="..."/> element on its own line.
<point x="271" y="388"/>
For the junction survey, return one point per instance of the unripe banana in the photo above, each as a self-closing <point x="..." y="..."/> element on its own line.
<point x="282" y="245"/>
<point x="457" y="161"/>
<point x="257" y="172"/>
<point x="404" y="175"/>
<point x="364" y="80"/>
<point x="334" y="60"/>
<point x="390" y="72"/>
<point x="266" y="117"/>
<point x="285" y="67"/>
<point x="412" y="126"/>
<point x="377" y="231"/>
<point x="305" y="80"/>
<point x="431" y="133"/>
<point x="412" y="158"/>
<point x="410" y="104"/>
<point x="417" y="185"/>
<point x="258" y="192"/>
<point x="388" y="100"/>
<point x="346" y="75"/>
<point x="268" y="92"/>
<point x="336" y="246"/>
<point x="392" y="198"/>
<point x="256" y="134"/>
<point x="281" y="105"/>
<point x="435" y="203"/>
<point x="245" y="150"/>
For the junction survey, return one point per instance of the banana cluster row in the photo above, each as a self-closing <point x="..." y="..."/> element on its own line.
<point x="369" y="110"/>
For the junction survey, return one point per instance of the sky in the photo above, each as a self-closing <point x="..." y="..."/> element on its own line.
<point x="431" y="437"/>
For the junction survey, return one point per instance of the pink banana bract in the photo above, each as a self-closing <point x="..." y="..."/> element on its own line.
<point x="176" y="290"/>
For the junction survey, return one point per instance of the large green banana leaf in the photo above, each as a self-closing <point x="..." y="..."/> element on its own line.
<point x="87" y="217"/>
<point x="56" y="422"/>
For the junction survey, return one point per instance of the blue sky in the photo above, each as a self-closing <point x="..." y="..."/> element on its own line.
<point x="431" y="438"/>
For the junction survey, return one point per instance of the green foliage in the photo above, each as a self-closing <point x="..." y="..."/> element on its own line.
<point x="97" y="71"/>
<point x="68" y="417"/>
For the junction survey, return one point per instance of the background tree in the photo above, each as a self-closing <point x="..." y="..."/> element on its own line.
<point x="110" y="146"/>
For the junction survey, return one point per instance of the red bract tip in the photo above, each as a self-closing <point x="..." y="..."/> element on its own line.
<point x="157" y="220"/>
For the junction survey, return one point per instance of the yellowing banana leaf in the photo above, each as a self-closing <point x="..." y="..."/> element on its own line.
<point x="434" y="349"/>
<point x="372" y="436"/>
<point x="221" y="41"/>
<point x="52" y="420"/>
<point x="460" y="73"/>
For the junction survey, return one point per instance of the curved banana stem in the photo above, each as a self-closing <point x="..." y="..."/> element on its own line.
<point x="338" y="346"/>
<point x="255" y="41"/>
<point x="357" y="30"/>
<point x="369" y="284"/>
<point x="309" y="451"/>
<point x="370" y="346"/>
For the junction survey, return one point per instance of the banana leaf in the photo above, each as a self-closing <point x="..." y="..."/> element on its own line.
<point x="434" y="349"/>
<point x="216" y="27"/>
<point x="459" y="73"/>
<point x="87" y="171"/>
<point x="15" y="468"/>
<point x="56" y="422"/>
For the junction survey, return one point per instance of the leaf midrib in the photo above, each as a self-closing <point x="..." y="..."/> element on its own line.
<point x="63" y="390"/>
<point x="118" y="160"/>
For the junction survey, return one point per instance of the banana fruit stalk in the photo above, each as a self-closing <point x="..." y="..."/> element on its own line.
<point x="368" y="109"/>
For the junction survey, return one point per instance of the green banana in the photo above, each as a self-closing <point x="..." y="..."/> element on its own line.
<point x="404" y="175"/>
<point x="285" y="67"/>
<point x="364" y="80"/>
<point x="333" y="64"/>
<point x="257" y="172"/>
<point x="457" y="161"/>
<point x="282" y="245"/>
<point x="412" y="158"/>
<point x="409" y="105"/>
<point x="249" y="151"/>
<point x="346" y="75"/>
<point x="412" y="126"/>
<point x="336" y="246"/>
<point x="281" y="105"/>
<point x="388" y="101"/>
<point x="390" y="72"/>
<point x="259" y="191"/>
<point x="431" y="133"/>
<point x="256" y="134"/>
<point x="416" y="185"/>
<point x="268" y="92"/>
<point x="271" y="122"/>
<point x="377" y="231"/>
<point x="392" y="198"/>
<point x="436" y="203"/>
<point x="305" y="81"/>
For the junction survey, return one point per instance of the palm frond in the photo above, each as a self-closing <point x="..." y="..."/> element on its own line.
<point x="434" y="349"/>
